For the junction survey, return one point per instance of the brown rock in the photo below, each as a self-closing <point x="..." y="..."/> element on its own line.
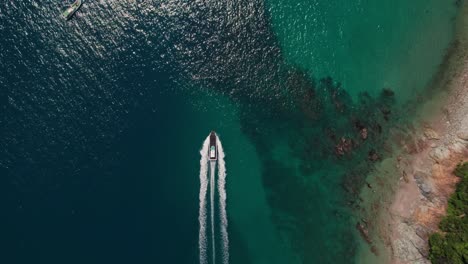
<point x="344" y="146"/>
<point x="440" y="153"/>
<point x="431" y="134"/>
<point x="363" y="133"/>
<point x="364" y="232"/>
<point x="373" y="156"/>
<point x="463" y="135"/>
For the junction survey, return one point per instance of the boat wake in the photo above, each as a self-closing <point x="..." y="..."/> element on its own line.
<point x="222" y="201"/>
<point x="212" y="190"/>
<point x="202" y="218"/>
<point x="202" y="241"/>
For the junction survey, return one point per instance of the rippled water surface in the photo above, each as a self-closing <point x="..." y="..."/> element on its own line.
<point x="102" y="118"/>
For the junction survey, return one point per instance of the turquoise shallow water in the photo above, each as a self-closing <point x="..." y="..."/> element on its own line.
<point x="103" y="117"/>
<point x="366" y="45"/>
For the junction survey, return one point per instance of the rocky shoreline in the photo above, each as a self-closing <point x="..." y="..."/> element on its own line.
<point x="428" y="159"/>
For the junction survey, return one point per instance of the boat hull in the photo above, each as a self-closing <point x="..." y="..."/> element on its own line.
<point x="70" y="11"/>
<point x="213" y="149"/>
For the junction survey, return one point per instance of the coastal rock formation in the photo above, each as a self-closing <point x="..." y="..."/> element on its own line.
<point x="422" y="180"/>
<point x="412" y="248"/>
<point x="431" y="134"/>
<point x="440" y="153"/>
<point x="463" y="135"/>
<point x="431" y="154"/>
<point x="421" y="199"/>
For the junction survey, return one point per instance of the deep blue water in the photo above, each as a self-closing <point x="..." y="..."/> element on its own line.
<point x="99" y="137"/>
<point x="102" y="118"/>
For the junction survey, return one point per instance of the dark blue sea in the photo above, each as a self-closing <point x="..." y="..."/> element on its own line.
<point x="102" y="118"/>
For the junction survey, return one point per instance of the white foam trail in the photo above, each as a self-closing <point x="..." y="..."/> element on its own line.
<point x="212" y="189"/>
<point x="202" y="196"/>
<point x="222" y="200"/>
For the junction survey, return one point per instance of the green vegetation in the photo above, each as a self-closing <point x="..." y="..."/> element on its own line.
<point x="451" y="246"/>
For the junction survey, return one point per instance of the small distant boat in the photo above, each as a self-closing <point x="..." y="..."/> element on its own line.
<point x="213" y="151"/>
<point x="67" y="14"/>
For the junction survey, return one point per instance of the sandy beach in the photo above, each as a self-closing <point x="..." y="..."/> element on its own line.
<point x="429" y="157"/>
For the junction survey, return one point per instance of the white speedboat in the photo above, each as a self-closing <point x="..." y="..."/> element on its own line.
<point x="213" y="150"/>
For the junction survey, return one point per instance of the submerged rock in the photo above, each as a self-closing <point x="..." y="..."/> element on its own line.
<point x="364" y="232"/>
<point x="373" y="156"/>
<point x="363" y="133"/>
<point x="344" y="146"/>
<point x="386" y="113"/>
<point x="388" y="92"/>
